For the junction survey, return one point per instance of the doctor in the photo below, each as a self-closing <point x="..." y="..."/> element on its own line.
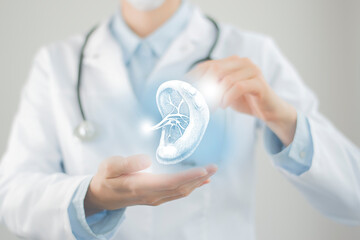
<point x="53" y="186"/>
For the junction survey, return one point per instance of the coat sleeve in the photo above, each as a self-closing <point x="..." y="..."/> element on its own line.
<point x="35" y="193"/>
<point x="330" y="179"/>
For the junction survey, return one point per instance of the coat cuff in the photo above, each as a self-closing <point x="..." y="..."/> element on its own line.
<point x="101" y="225"/>
<point x="297" y="157"/>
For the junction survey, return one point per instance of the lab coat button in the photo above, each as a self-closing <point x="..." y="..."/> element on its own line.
<point x="302" y="154"/>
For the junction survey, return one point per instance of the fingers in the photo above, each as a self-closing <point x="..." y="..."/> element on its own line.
<point x="185" y="189"/>
<point x="148" y="182"/>
<point x="147" y="188"/>
<point x="206" y="182"/>
<point x="168" y="181"/>
<point x="182" y="192"/>
<point x="211" y="169"/>
<point x="229" y="80"/>
<point x="238" y="90"/>
<point x="189" y="177"/>
<point x="222" y="77"/>
<point x="117" y="166"/>
<point x="166" y="199"/>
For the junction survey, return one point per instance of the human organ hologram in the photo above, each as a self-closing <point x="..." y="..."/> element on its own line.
<point x="185" y="116"/>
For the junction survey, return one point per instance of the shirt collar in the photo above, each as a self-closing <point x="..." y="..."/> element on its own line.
<point x="159" y="40"/>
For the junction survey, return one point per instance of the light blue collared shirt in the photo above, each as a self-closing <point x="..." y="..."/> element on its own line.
<point x="140" y="57"/>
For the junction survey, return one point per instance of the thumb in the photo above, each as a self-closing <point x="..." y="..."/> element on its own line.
<point x="117" y="166"/>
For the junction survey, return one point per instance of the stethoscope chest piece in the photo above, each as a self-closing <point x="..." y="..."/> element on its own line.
<point x="85" y="131"/>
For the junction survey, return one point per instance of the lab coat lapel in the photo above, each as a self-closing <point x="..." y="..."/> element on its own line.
<point x="105" y="54"/>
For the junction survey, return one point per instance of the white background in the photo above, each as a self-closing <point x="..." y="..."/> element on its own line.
<point x="320" y="37"/>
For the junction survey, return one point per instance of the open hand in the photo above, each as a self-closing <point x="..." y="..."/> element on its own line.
<point x="118" y="183"/>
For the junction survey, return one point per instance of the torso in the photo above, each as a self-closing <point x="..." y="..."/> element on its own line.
<point x="222" y="209"/>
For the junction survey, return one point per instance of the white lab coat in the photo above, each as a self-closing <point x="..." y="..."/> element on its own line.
<point x="44" y="163"/>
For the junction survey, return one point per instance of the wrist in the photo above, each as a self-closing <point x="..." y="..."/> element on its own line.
<point x="90" y="204"/>
<point x="283" y="124"/>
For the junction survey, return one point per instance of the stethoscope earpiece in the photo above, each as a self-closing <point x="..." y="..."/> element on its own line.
<point x="85" y="131"/>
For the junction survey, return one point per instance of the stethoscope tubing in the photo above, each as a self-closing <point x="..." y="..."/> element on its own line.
<point x="80" y="68"/>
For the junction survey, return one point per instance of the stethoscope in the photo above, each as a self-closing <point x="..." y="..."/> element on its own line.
<point x="86" y="131"/>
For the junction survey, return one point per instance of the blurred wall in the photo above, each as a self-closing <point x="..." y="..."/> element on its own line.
<point x="320" y="37"/>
